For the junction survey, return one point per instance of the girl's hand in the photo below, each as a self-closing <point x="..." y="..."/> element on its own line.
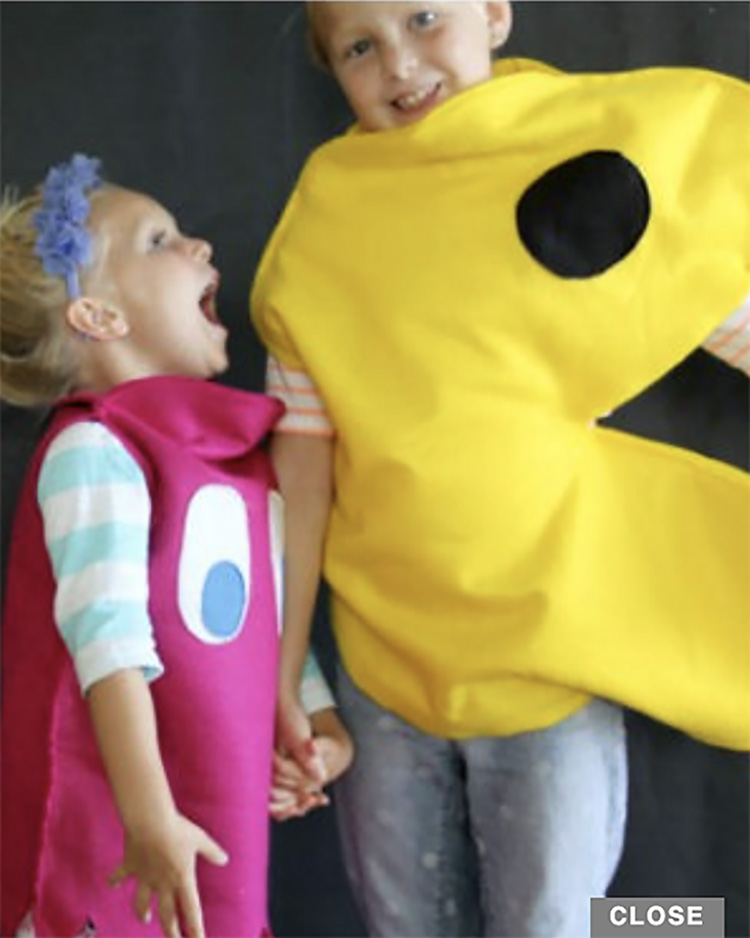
<point x="161" y="846"/>
<point x="293" y="793"/>
<point x="161" y="857"/>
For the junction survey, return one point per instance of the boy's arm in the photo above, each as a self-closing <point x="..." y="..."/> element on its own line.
<point x="294" y="793"/>
<point x="161" y="846"/>
<point x="304" y="469"/>
<point x="731" y="341"/>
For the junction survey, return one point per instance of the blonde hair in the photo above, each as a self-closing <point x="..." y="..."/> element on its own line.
<point x="315" y="44"/>
<point x="37" y="358"/>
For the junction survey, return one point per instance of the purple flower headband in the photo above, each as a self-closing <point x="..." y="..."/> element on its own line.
<point x="64" y="242"/>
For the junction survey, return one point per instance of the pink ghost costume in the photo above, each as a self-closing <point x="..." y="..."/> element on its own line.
<point x="198" y="446"/>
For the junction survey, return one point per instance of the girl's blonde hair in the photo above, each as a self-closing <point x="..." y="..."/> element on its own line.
<point x="37" y="357"/>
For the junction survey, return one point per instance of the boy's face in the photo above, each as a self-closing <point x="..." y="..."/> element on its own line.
<point x="158" y="288"/>
<point x="396" y="61"/>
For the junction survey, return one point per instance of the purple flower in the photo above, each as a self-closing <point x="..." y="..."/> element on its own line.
<point x="64" y="242"/>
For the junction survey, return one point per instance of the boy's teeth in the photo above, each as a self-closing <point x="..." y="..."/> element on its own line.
<point x="413" y="99"/>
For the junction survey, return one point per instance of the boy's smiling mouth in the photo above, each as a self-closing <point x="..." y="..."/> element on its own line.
<point x="418" y="100"/>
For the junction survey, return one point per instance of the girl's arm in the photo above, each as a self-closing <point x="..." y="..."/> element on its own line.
<point x="161" y="846"/>
<point x="112" y="668"/>
<point x="304" y="469"/>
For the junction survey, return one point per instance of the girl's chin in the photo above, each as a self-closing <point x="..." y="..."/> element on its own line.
<point x="220" y="368"/>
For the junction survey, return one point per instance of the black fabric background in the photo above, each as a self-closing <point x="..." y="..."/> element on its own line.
<point x="211" y="107"/>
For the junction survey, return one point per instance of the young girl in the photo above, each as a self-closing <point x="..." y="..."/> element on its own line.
<point x="493" y="258"/>
<point x="140" y="626"/>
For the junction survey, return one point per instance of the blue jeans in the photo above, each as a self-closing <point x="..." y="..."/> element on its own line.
<point x="486" y="836"/>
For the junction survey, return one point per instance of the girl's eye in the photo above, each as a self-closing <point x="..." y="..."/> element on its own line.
<point x="357" y="49"/>
<point x="425" y="18"/>
<point x="157" y="240"/>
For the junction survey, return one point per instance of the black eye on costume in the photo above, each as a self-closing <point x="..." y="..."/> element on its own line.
<point x="582" y="217"/>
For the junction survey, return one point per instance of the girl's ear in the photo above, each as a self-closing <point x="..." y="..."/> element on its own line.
<point x="500" y="18"/>
<point x="94" y="319"/>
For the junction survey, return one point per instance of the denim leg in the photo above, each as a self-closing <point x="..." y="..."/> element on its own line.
<point x="548" y="813"/>
<point x="402" y="817"/>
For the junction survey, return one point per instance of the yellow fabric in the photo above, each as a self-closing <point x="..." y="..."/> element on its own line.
<point x="495" y="559"/>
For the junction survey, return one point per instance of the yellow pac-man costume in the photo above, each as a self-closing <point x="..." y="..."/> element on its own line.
<point x="469" y="293"/>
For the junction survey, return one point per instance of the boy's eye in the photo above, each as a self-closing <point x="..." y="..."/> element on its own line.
<point x="357" y="49"/>
<point x="424" y="18"/>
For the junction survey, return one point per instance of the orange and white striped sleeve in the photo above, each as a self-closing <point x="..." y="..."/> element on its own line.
<point x="731" y="341"/>
<point x="305" y="411"/>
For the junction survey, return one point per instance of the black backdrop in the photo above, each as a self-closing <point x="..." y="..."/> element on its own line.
<point x="211" y="107"/>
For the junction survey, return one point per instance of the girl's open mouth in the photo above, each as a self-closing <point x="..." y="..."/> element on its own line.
<point x="207" y="301"/>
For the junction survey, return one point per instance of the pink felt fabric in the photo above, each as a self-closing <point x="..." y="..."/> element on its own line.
<point x="60" y="833"/>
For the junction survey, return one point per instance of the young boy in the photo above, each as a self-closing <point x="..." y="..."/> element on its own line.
<point x="492" y="259"/>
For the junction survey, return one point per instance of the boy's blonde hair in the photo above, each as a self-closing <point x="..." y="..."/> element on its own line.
<point x="315" y="44"/>
<point x="37" y="357"/>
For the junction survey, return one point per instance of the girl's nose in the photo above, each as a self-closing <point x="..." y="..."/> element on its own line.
<point x="200" y="249"/>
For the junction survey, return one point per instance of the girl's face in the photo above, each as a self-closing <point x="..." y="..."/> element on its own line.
<point x="396" y="61"/>
<point x="160" y="286"/>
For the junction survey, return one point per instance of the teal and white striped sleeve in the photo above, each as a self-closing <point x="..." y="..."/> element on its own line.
<point x="315" y="693"/>
<point x="97" y="511"/>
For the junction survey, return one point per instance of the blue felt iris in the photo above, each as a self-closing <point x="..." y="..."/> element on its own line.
<point x="223" y="600"/>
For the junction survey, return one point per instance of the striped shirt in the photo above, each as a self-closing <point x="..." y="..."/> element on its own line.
<point x="731" y="341"/>
<point x="96" y="511"/>
<point x="306" y="412"/>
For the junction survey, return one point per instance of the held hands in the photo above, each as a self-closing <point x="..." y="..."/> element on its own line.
<point x="161" y="857"/>
<point x="302" y="764"/>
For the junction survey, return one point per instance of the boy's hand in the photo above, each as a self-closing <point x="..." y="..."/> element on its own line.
<point x="332" y="742"/>
<point x="294" y="740"/>
<point x="161" y="857"/>
<point x="294" y="793"/>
